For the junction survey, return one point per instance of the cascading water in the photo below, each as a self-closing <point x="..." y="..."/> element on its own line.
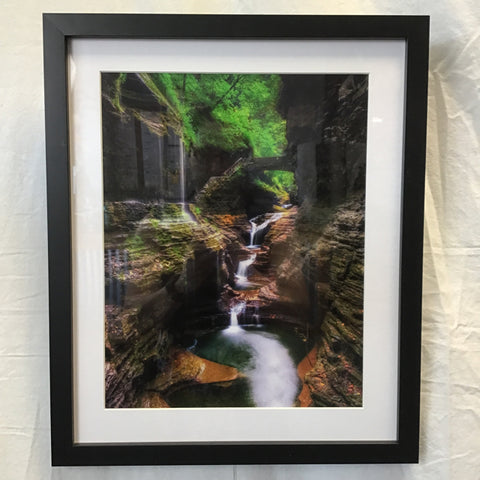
<point x="256" y="315"/>
<point x="187" y="214"/>
<point x="270" y="376"/>
<point x="241" y="275"/>
<point x="271" y="371"/>
<point x="182" y="173"/>
<point x="234" y="312"/>
<point x="273" y="376"/>
<point x="257" y="230"/>
<point x="253" y="231"/>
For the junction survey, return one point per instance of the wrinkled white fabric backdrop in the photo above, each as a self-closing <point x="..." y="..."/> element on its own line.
<point x="450" y="421"/>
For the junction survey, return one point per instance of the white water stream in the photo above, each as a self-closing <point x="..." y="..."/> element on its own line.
<point x="257" y="230"/>
<point x="187" y="214"/>
<point x="272" y="373"/>
<point x="242" y="270"/>
<point x="182" y="173"/>
<point x="234" y="312"/>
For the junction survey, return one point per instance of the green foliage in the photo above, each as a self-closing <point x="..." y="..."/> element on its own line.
<point x="167" y="212"/>
<point x="196" y="210"/>
<point x="228" y="111"/>
<point x="279" y="182"/>
<point x="135" y="246"/>
<point x="160" y="248"/>
<point x="282" y="179"/>
<point x="119" y="81"/>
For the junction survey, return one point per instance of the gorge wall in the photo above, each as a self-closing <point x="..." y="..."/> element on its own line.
<point x="312" y="277"/>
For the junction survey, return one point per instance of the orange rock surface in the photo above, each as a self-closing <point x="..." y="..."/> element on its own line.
<point x="152" y="400"/>
<point x="304" y="366"/>
<point x="187" y="367"/>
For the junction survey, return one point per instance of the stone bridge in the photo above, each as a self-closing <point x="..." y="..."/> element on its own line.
<point x="271" y="163"/>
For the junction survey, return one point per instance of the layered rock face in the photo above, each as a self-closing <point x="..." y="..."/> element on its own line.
<point x="319" y="281"/>
<point x="308" y="273"/>
<point x="141" y="154"/>
<point x="168" y="268"/>
<point x="337" y="279"/>
<point x="326" y="131"/>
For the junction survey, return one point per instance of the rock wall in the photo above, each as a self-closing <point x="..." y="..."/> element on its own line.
<point x="336" y="277"/>
<point x="309" y="273"/>
<point x="141" y="156"/>
<point x="326" y="132"/>
<point x="172" y="268"/>
<point x="313" y="280"/>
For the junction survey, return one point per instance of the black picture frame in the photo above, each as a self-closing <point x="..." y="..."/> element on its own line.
<point x="58" y="30"/>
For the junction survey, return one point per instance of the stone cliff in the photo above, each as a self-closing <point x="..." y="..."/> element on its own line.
<point x="336" y="277"/>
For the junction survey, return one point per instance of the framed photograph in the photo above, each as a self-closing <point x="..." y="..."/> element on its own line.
<point x="235" y="221"/>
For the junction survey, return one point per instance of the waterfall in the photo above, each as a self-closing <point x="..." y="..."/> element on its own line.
<point x="234" y="312"/>
<point x="187" y="215"/>
<point x="256" y="315"/>
<point x="182" y="173"/>
<point x="271" y="371"/>
<point x="243" y="266"/>
<point x="273" y="375"/>
<point x="252" y="232"/>
<point x="257" y="230"/>
<point x="241" y="275"/>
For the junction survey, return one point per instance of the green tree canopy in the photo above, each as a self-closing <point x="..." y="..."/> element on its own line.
<point x="228" y="111"/>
